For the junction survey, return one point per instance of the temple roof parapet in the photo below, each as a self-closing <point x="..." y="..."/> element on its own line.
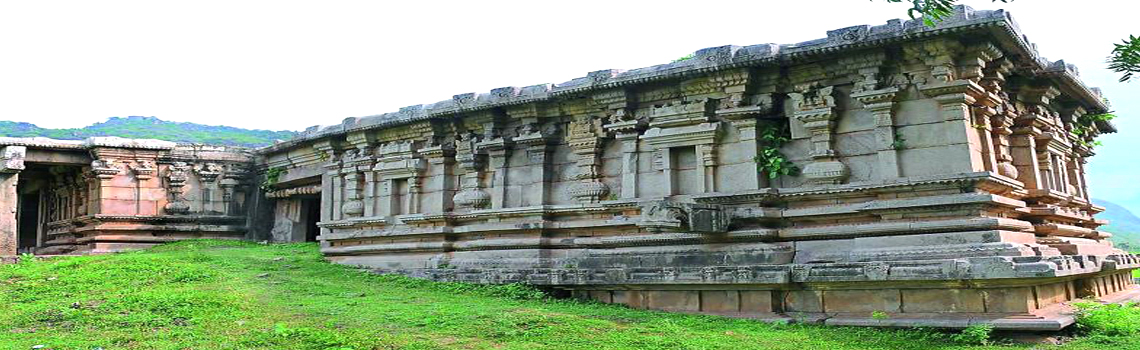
<point x="88" y="143"/>
<point x="999" y="22"/>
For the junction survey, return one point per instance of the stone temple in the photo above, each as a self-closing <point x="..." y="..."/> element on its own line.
<point x="935" y="174"/>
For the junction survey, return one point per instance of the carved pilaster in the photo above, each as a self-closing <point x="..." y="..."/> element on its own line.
<point x="814" y="107"/>
<point x="956" y="100"/>
<point x="537" y="140"/>
<point x="441" y="161"/>
<point x="880" y="103"/>
<point x="626" y="129"/>
<point x="585" y="143"/>
<point x="176" y="176"/>
<point x="472" y="161"/>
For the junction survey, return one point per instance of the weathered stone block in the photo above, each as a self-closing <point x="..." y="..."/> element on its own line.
<point x="1012" y="300"/>
<point x="673" y="300"/>
<point x="943" y="300"/>
<point x="802" y="301"/>
<point x="720" y="301"/>
<point x="885" y="300"/>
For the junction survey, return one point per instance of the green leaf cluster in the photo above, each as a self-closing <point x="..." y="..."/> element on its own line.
<point x="1125" y="58"/>
<point x="769" y="159"/>
<point x="272" y="175"/>
<point x="931" y="11"/>
<point x="1084" y="126"/>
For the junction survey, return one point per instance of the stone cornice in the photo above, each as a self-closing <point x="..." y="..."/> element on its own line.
<point x="998" y="22"/>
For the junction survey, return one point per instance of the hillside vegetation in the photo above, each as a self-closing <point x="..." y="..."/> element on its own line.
<point x="236" y="295"/>
<point x="152" y="128"/>
<point x="1122" y="223"/>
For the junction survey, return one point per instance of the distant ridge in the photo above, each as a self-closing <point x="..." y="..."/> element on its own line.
<point x="153" y="128"/>
<point x="1122" y="223"/>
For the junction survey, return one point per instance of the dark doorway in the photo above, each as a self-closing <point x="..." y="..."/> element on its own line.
<point x="29" y="221"/>
<point x="310" y="215"/>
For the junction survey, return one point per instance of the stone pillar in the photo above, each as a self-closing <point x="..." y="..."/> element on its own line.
<point x="880" y="103"/>
<point x="11" y="163"/>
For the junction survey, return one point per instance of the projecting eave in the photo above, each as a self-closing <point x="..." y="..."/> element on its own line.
<point x="997" y="23"/>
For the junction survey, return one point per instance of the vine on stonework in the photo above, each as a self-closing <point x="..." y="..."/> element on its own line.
<point x="272" y="175"/>
<point x="769" y="160"/>
<point x="1085" y="125"/>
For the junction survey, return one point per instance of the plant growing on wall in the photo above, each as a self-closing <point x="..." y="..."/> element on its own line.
<point x="684" y="58"/>
<point x="272" y="175"/>
<point x="769" y="160"/>
<point x="1083" y="128"/>
<point x="899" y="143"/>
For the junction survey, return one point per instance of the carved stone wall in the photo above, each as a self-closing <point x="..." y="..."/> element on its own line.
<point x="107" y="194"/>
<point x="929" y="173"/>
<point x="938" y="180"/>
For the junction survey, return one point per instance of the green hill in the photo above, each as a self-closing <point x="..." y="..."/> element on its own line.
<point x="152" y="128"/>
<point x="1124" y="226"/>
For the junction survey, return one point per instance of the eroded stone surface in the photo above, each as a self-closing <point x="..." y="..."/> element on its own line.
<point x="939" y="182"/>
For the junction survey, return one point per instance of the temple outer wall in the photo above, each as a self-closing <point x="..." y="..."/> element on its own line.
<point x="938" y="179"/>
<point x="8" y="200"/>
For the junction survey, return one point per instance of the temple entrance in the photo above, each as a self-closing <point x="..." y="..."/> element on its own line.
<point x="46" y="193"/>
<point x="28" y="222"/>
<point x="310" y="215"/>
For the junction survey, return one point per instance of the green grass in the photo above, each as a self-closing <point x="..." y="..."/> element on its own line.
<point x="235" y="295"/>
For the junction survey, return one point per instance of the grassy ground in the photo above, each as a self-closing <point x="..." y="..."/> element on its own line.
<point x="234" y="295"/>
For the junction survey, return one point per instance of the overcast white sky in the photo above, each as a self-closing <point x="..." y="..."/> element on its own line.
<point x="290" y="64"/>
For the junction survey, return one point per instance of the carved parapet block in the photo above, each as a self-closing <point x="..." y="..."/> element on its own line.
<point x="681" y="113"/>
<point x="826" y="172"/>
<point x="668" y="216"/>
<point x="472" y="198"/>
<point x="588" y="191"/>
<point x="877" y="101"/>
<point x="12" y="159"/>
<point x="105" y="169"/>
<point x="208" y="172"/>
<point x="177" y="207"/>
<point x="144" y="169"/>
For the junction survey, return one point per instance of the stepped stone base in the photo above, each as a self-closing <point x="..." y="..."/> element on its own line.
<point x="1021" y="306"/>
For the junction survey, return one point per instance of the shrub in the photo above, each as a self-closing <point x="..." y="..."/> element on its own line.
<point x="1097" y="319"/>
<point x="975" y="334"/>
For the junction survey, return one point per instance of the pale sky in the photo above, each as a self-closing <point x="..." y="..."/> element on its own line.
<point x="291" y="64"/>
